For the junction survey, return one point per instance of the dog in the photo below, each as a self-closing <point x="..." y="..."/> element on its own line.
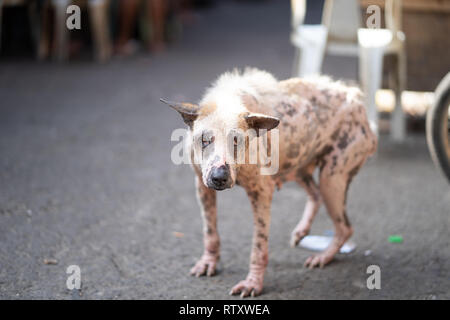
<point x="320" y="124"/>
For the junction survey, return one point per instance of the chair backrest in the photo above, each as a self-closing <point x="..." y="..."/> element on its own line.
<point x="393" y="15"/>
<point x="342" y="19"/>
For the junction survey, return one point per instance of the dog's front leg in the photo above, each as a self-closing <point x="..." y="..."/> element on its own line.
<point x="261" y="199"/>
<point x="207" y="200"/>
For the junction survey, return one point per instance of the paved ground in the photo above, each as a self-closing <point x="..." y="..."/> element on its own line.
<point x="86" y="179"/>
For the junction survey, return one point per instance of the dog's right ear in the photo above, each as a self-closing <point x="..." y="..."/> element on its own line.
<point x="188" y="111"/>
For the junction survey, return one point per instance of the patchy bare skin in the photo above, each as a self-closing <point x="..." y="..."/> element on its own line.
<point x="322" y="125"/>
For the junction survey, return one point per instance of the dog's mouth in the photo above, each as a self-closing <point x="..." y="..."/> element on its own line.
<point x="219" y="187"/>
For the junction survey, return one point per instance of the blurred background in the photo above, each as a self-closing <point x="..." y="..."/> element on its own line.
<point x="85" y="170"/>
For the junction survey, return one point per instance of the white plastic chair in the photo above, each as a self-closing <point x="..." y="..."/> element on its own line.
<point x="374" y="44"/>
<point x="340" y="33"/>
<point x="336" y="35"/>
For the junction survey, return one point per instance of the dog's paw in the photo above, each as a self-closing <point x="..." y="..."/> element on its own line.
<point x="319" y="260"/>
<point x="248" y="287"/>
<point x="297" y="235"/>
<point x="205" y="266"/>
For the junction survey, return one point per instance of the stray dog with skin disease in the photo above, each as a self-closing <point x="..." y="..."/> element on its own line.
<point x="321" y="124"/>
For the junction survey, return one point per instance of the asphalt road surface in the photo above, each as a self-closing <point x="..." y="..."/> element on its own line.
<point x="86" y="179"/>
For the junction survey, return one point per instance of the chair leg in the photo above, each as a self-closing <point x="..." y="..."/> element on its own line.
<point x="61" y="36"/>
<point x="296" y="64"/>
<point x="370" y="72"/>
<point x="398" y="125"/>
<point x="98" y="15"/>
<point x="311" y="44"/>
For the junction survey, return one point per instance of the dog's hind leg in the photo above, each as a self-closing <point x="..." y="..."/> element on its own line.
<point x="305" y="179"/>
<point x="337" y="170"/>
<point x="333" y="189"/>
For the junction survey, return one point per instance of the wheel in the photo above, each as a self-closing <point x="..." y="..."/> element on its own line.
<point x="438" y="126"/>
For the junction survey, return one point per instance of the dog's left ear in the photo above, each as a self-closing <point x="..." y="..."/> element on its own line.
<point x="188" y="111"/>
<point x="261" y="121"/>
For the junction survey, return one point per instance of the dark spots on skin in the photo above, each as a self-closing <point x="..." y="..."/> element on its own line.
<point x="209" y="231"/>
<point x="320" y="158"/>
<point x="334" y="159"/>
<point x="213" y="251"/>
<point x="335" y="135"/>
<point x="300" y="174"/>
<point x="346" y="220"/>
<point x="262" y="236"/>
<point x="351" y="174"/>
<point x="294" y="150"/>
<point x="261" y="222"/>
<point x="254" y="195"/>
<point x="206" y="200"/>
<point x="363" y="130"/>
<point x="258" y="245"/>
<point x="286" y="166"/>
<point x="343" y="141"/>
<point x="307" y="179"/>
<point x="286" y="108"/>
<point x="291" y="111"/>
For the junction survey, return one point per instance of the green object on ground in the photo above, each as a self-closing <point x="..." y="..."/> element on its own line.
<point x="395" y="239"/>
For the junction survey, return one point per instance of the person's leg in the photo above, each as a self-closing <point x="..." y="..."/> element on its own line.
<point x="157" y="12"/>
<point x="127" y="21"/>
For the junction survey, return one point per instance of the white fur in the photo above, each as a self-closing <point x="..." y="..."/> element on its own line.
<point x="325" y="82"/>
<point x="227" y="89"/>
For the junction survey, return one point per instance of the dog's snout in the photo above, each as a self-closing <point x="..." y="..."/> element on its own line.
<point x="220" y="178"/>
<point x="220" y="175"/>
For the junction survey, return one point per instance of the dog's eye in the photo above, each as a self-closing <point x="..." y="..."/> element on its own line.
<point x="207" y="141"/>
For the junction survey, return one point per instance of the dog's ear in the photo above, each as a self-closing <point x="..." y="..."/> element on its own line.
<point x="188" y="111"/>
<point x="261" y="121"/>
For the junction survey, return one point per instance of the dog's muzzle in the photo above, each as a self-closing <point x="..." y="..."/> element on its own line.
<point x="219" y="178"/>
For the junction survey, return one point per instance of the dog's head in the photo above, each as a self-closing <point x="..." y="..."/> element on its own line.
<point x="220" y="138"/>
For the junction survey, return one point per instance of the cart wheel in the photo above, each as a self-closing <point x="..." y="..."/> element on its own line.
<point x="438" y="126"/>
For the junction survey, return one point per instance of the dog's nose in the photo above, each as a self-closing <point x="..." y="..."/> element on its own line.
<point x="219" y="176"/>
